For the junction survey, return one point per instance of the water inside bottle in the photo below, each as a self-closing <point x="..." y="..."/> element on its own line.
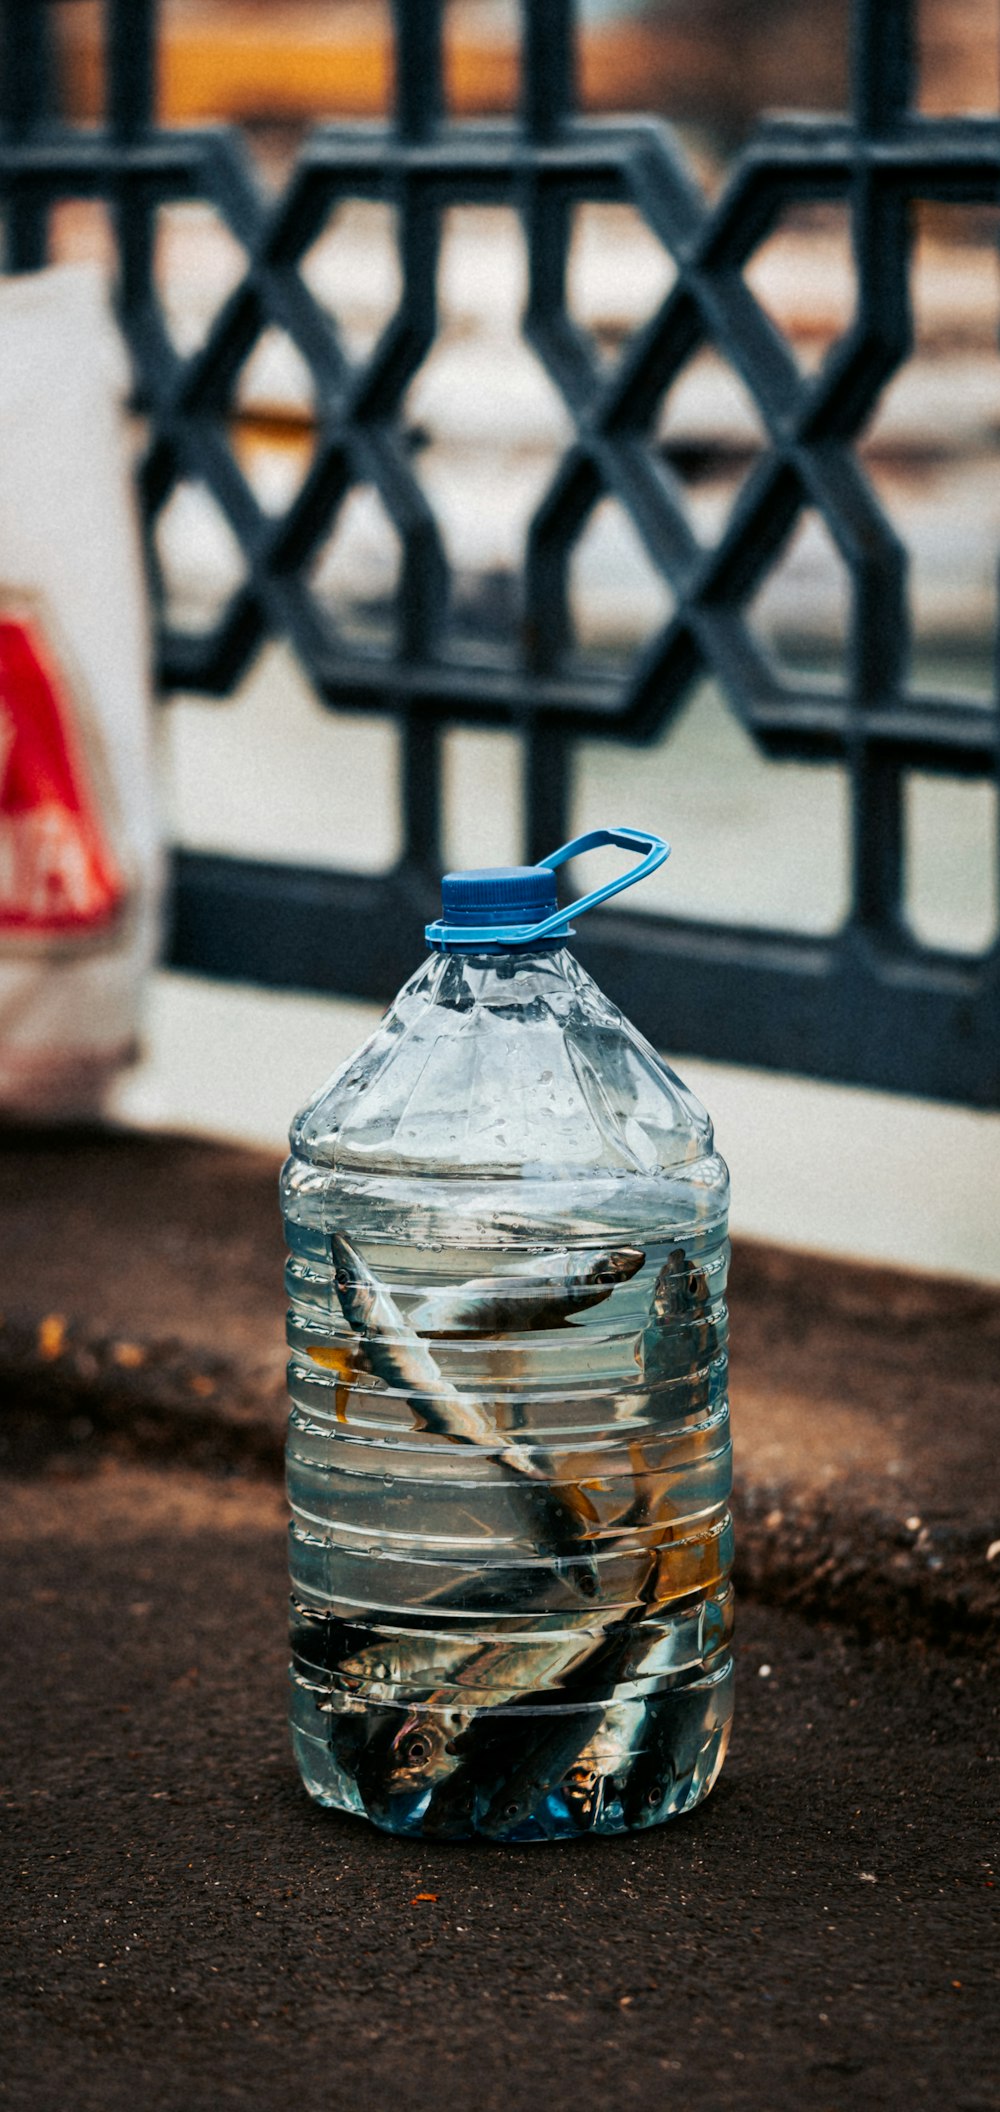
<point x="509" y="1471"/>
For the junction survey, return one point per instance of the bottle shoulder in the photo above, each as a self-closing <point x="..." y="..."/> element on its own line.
<point x="507" y="1066"/>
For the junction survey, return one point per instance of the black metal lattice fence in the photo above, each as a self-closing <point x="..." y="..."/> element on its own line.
<point x="867" y="1005"/>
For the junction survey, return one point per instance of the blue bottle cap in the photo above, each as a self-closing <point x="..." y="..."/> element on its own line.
<point x="499" y="894"/>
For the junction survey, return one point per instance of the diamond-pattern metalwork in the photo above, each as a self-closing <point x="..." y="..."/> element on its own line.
<point x="869" y="1005"/>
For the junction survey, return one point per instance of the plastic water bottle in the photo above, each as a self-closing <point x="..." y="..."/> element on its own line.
<point x="509" y="1460"/>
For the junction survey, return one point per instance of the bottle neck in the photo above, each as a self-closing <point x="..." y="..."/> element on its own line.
<point x="501" y="975"/>
<point x="540" y="949"/>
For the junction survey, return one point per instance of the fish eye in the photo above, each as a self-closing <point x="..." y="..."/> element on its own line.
<point x="654" y="1796"/>
<point x="418" y="1751"/>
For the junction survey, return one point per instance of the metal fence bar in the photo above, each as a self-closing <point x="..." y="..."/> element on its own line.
<point x="131" y="68"/>
<point x="26" y="100"/>
<point x="868" y="1005"/>
<point x="548" y="66"/>
<point x="419" y="68"/>
<point x="883" y="64"/>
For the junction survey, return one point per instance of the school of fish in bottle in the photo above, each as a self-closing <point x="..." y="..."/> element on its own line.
<point x="533" y="1640"/>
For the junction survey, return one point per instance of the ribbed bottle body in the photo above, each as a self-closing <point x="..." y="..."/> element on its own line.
<point x="509" y="1469"/>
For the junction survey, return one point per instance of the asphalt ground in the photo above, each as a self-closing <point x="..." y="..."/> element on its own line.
<point x="183" y="1930"/>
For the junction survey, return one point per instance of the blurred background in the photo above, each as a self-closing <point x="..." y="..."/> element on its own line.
<point x="269" y="772"/>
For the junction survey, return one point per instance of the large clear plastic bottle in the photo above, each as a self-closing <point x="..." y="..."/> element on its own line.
<point x="509" y="1462"/>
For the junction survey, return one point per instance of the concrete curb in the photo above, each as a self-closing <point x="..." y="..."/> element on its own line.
<point x="934" y="1580"/>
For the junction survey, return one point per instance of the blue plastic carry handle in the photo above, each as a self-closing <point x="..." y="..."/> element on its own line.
<point x="559" y="924"/>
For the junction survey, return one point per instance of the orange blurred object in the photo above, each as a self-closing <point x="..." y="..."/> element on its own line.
<point x="296" y="60"/>
<point x="718" y="62"/>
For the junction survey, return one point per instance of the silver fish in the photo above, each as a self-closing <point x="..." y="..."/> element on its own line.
<point x="449" y="1672"/>
<point x="392" y="1352"/>
<point x="680" y="1336"/>
<point x="536" y="1293"/>
<point x="636" y="1651"/>
<point x="394" y="1758"/>
<point x="595" y="1780"/>
<point x="629" y="1761"/>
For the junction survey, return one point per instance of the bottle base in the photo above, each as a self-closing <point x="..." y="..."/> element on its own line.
<point x="519" y="1774"/>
